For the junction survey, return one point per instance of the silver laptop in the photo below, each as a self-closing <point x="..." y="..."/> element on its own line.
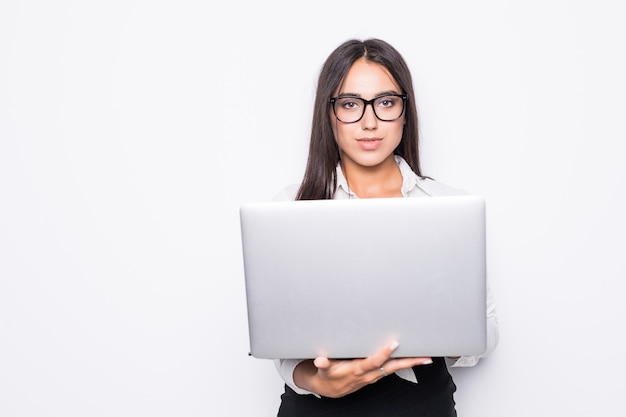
<point x="343" y="278"/>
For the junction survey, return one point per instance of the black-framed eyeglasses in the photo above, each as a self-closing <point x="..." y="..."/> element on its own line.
<point x="350" y="109"/>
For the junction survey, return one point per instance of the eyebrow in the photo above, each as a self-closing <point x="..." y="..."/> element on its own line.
<point x="383" y="93"/>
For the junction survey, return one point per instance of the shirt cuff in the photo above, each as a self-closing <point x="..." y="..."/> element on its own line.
<point x="285" y="368"/>
<point x="463" y="361"/>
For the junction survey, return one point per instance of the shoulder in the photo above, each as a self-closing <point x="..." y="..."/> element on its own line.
<point x="413" y="185"/>
<point x="436" y="188"/>
<point x="288" y="193"/>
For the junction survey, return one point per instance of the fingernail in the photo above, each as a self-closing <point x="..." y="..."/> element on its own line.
<point x="427" y="362"/>
<point x="394" y="345"/>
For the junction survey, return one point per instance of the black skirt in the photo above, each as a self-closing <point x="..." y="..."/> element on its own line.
<point x="392" y="396"/>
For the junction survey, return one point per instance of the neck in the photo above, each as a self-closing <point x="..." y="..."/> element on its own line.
<point x="382" y="180"/>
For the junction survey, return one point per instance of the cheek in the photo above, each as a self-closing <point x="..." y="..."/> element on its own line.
<point x="343" y="132"/>
<point x="340" y="130"/>
<point x="398" y="131"/>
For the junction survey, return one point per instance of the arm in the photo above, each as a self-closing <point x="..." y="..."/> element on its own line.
<point x="336" y="378"/>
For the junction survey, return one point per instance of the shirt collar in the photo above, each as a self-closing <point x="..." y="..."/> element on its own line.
<point x="342" y="183"/>
<point x="410" y="180"/>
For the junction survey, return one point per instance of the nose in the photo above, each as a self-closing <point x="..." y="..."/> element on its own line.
<point x="369" y="119"/>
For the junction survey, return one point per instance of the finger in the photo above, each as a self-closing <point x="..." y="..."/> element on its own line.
<point x="379" y="358"/>
<point x="402" y="363"/>
<point x="321" y="362"/>
<point x="395" y="365"/>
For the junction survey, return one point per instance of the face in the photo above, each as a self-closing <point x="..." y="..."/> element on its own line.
<point x="370" y="141"/>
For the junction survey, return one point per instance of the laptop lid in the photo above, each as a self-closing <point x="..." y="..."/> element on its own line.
<point x="343" y="278"/>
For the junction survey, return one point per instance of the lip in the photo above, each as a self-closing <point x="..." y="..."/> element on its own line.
<point x="369" y="144"/>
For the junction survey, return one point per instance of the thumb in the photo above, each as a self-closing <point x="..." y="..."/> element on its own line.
<point x="321" y="362"/>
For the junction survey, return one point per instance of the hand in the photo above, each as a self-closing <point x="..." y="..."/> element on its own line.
<point x="336" y="378"/>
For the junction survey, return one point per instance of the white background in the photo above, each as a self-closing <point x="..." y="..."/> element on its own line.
<point x="131" y="131"/>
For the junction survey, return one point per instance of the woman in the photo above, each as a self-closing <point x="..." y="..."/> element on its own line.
<point x="364" y="144"/>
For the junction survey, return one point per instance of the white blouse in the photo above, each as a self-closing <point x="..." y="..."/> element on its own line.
<point x="412" y="186"/>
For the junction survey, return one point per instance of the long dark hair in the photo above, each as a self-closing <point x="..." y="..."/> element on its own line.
<point x="320" y="176"/>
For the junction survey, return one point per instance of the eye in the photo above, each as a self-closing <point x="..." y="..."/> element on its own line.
<point x="387" y="101"/>
<point x="349" y="103"/>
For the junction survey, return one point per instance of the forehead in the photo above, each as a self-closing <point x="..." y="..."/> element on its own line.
<point x="368" y="79"/>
